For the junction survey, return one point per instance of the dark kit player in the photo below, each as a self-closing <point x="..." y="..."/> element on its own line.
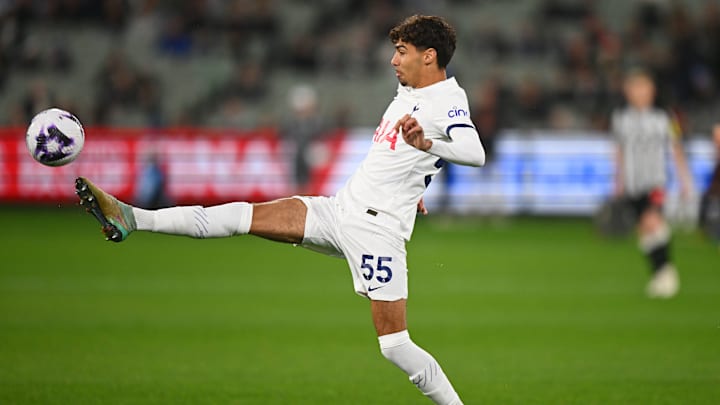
<point x="646" y="136"/>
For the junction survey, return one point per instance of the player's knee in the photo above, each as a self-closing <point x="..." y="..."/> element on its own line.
<point x="391" y="345"/>
<point x="655" y="236"/>
<point x="388" y="353"/>
<point x="651" y="220"/>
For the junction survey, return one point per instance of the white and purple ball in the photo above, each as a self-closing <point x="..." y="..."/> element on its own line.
<point x="55" y="137"/>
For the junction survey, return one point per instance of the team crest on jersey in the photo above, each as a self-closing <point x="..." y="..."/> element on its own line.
<point x="386" y="132"/>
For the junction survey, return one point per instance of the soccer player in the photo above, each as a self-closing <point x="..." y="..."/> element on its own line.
<point x="645" y="135"/>
<point x="370" y="219"/>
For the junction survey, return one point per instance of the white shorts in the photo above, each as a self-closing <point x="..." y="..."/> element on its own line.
<point x="376" y="255"/>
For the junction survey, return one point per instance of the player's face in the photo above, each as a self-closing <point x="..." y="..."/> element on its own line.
<point x="408" y="63"/>
<point x="640" y="91"/>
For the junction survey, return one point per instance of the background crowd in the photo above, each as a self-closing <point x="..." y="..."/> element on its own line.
<point x="552" y="64"/>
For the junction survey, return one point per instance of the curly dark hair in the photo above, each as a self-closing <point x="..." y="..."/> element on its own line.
<point x="425" y="32"/>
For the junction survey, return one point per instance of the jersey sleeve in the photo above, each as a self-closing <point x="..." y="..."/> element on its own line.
<point x="450" y="113"/>
<point x="455" y="137"/>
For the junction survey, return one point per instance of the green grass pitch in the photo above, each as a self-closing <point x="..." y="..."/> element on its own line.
<point x="523" y="311"/>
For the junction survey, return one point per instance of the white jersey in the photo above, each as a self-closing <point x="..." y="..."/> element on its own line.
<point x="394" y="175"/>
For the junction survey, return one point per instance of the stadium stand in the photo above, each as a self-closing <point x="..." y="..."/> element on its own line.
<point x="556" y="63"/>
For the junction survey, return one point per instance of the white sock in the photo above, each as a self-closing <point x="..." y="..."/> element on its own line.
<point x="423" y="369"/>
<point x="196" y="221"/>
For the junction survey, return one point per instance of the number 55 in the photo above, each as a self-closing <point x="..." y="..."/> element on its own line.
<point x="379" y="268"/>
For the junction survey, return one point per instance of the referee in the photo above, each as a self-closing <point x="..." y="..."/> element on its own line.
<point x="645" y="136"/>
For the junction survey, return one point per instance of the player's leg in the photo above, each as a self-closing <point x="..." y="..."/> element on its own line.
<point x="282" y="220"/>
<point x="377" y="259"/>
<point x="654" y="234"/>
<point x="423" y="370"/>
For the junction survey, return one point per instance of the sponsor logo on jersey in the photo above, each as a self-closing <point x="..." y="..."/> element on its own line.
<point x="386" y="132"/>
<point x="457" y="112"/>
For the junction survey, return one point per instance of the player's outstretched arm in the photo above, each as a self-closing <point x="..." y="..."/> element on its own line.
<point x="463" y="148"/>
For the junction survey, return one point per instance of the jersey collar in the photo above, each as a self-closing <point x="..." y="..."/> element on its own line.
<point x="431" y="90"/>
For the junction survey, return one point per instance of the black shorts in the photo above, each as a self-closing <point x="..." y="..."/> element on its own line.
<point x="653" y="199"/>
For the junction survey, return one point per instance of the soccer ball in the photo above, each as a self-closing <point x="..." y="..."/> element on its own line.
<point x="55" y="137"/>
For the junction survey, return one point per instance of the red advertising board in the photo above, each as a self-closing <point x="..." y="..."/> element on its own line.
<point x="546" y="173"/>
<point x="201" y="165"/>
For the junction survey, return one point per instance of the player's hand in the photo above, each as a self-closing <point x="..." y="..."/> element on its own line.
<point x="421" y="207"/>
<point x="412" y="133"/>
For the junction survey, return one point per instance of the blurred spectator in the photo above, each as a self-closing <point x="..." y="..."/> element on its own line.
<point x="576" y="54"/>
<point x="116" y="78"/>
<point x="17" y="116"/>
<point x="488" y="40"/>
<point x="36" y="56"/>
<point x="710" y="204"/>
<point x="577" y="48"/>
<point x="123" y="88"/>
<point x="115" y="13"/>
<point x="532" y="41"/>
<point x="143" y="30"/>
<point x="231" y="113"/>
<point x="74" y="10"/>
<point x="303" y="53"/>
<point x="232" y="103"/>
<point x="488" y="113"/>
<point x="60" y="58"/>
<point x="248" y="82"/>
<point x="564" y="10"/>
<point x="112" y="14"/>
<point x="563" y="118"/>
<point x="38" y="98"/>
<point x="710" y="37"/>
<point x="691" y="77"/>
<point x="152" y="184"/>
<point x="227" y="104"/>
<point x="649" y="14"/>
<point x="303" y="125"/>
<point x="14" y="18"/>
<point x="531" y="104"/>
<point x="253" y="29"/>
<point x="4" y="71"/>
<point x="175" y="38"/>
